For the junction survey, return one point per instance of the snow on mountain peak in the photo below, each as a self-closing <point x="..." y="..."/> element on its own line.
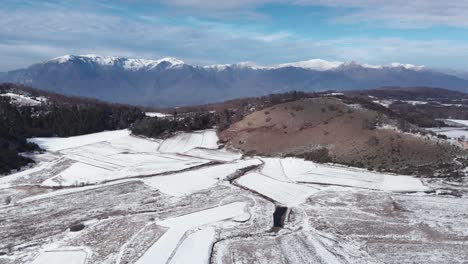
<point x="62" y="59"/>
<point x="245" y="64"/>
<point x="408" y="66"/>
<point x="136" y="64"/>
<point x="171" y="60"/>
<point x="126" y="63"/>
<point x="139" y="64"/>
<point x="324" y="65"/>
<point x="314" y="64"/>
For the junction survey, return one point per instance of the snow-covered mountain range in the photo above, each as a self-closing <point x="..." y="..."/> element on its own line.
<point x="168" y="62"/>
<point x="171" y="82"/>
<point x="125" y="63"/>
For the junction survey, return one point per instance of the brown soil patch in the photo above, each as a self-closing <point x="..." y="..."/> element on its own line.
<point x="348" y="132"/>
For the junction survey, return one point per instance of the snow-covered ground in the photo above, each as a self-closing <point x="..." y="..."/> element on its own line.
<point x="184" y="142"/>
<point x="452" y="132"/>
<point x="113" y="155"/>
<point x="459" y="121"/>
<point x="295" y="170"/>
<point x="57" y="144"/>
<point x="289" y="194"/>
<point x="24" y="100"/>
<point x="187" y="199"/>
<point x="61" y="257"/>
<point x="385" y="103"/>
<point x="156" y="114"/>
<point x="456" y="129"/>
<point x="183" y="183"/>
<point x="214" y="154"/>
<point x="162" y="250"/>
<point x="196" y="248"/>
<point x="310" y="172"/>
<point x="415" y="102"/>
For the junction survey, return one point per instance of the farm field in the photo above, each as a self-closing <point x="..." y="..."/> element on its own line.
<point x="112" y="197"/>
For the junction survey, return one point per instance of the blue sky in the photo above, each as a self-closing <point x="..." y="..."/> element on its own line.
<point x="424" y="32"/>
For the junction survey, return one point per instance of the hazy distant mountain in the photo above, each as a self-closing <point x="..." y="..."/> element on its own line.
<point x="459" y="73"/>
<point x="171" y="82"/>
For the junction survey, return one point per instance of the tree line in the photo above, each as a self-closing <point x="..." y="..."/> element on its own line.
<point x="63" y="119"/>
<point x="164" y="127"/>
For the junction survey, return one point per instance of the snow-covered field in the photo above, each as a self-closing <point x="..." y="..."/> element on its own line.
<point x="184" y="142"/>
<point x="285" y="193"/>
<point x="61" y="256"/>
<point x="183" y="183"/>
<point x="196" y="248"/>
<point x="162" y="250"/>
<point x="214" y="154"/>
<point x="57" y="144"/>
<point x="114" y="155"/>
<point x="310" y="172"/>
<point x="457" y="129"/>
<point x="452" y="132"/>
<point x="459" y="121"/>
<point x="188" y="200"/>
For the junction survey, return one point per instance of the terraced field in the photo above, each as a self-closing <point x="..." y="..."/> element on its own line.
<point x="115" y="198"/>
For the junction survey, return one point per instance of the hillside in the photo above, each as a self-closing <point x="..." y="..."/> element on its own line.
<point x="170" y="82"/>
<point x="330" y="129"/>
<point x="26" y="112"/>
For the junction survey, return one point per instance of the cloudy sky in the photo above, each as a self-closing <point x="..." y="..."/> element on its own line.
<point x="424" y="32"/>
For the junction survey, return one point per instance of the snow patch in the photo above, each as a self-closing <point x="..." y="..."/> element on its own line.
<point x="61" y="256"/>
<point x="451" y="132"/>
<point x="214" y="154"/>
<point x="310" y="172"/>
<point x="56" y="143"/>
<point x="183" y="183"/>
<point x="315" y="64"/>
<point x="196" y="248"/>
<point x="274" y="169"/>
<point x="24" y="100"/>
<point x="289" y="194"/>
<point x="385" y="103"/>
<point x="156" y="114"/>
<point x="184" y="142"/>
<point x="415" y="102"/>
<point x="459" y="121"/>
<point x="79" y="173"/>
<point x="162" y="251"/>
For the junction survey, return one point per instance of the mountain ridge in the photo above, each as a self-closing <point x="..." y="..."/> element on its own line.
<point x="312" y="64"/>
<point x="172" y="82"/>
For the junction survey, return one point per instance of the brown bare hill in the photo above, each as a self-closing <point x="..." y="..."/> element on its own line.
<point x="329" y="129"/>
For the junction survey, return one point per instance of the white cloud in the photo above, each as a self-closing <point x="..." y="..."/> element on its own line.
<point x="393" y="13"/>
<point x="412" y="14"/>
<point x="33" y="34"/>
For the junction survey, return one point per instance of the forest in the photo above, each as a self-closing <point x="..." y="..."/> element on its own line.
<point x="60" y="116"/>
